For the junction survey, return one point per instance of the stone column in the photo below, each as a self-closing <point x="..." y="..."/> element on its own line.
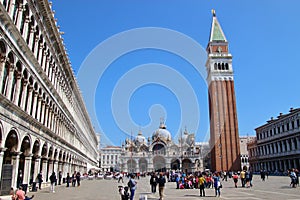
<point x="279" y="150"/>
<point x="35" y="98"/>
<point x="60" y="167"/>
<point x="39" y="107"/>
<point x="17" y="90"/>
<point x="50" y="71"/>
<point x="47" y="64"/>
<point x="285" y="167"/>
<point x="280" y="164"/>
<point x="293" y="143"/>
<point x="41" y="54"/>
<point x="25" y="29"/>
<point x="29" y="101"/>
<point x="42" y="109"/>
<point x="37" y="164"/>
<point x="45" y="122"/>
<point x="11" y="8"/>
<point x="15" y="158"/>
<point x="31" y="38"/>
<point x="288" y="145"/>
<point x="24" y="95"/>
<point x="19" y="17"/>
<point x="10" y="81"/>
<point x="50" y="162"/>
<point x="1" y="160"/>
<point x="50" y="118"/>
<point x="44" y="169"/>
<point x="55" y="167"/>
<point x="36" y="46"/>
<point x="289" y="164"/>
<point x="2" y="65"/>
<point x="27" y="169"/>
<point x="44" y="59"/>
<point x="297" y="143"/>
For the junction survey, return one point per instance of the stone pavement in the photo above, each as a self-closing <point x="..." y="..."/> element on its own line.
<point x="273" y="188"/>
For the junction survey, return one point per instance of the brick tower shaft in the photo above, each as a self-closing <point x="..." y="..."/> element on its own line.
<point x="224" y="136"/>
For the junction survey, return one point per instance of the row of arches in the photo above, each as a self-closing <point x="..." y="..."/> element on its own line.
<point x="159" y="165"/>
<point x="18" y="85"/>
<point x="41" y="46"/>
<point x="29" y="155"/>
<point x="221" y="66"/>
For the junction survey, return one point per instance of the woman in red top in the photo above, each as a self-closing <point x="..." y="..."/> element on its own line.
<point x="235" y="179"/>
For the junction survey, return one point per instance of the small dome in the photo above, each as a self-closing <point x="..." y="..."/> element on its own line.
<point x="140" y="138"/>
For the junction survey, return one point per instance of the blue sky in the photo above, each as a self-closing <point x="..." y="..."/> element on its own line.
<point x="153" y="82"/>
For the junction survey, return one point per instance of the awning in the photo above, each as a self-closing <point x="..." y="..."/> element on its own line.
<point x="92" y="167"/>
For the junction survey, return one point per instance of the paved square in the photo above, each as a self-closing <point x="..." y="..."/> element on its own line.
<point x="273" y="188"/>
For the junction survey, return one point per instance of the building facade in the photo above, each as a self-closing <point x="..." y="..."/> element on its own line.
<point x="224" y="136"/>
<point x="110" y="158"/>
<point x="161" y="153"/>
<point x="277" y="148"/>
<point x="244" y="140"/>
<point x="44" y="125"/>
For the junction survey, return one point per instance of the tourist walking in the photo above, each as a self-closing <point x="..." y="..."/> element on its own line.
<point x="263" y="175"/>
<point x="293" y="178"/>
<point x="201" y="182"/>
<point x="161" y="185"/>
<point x="120" y="178"/>
<point x="217" y="184"/>
<point x="243" y="178"/>
<point x="153" y="182"/>
<point x="68" y="179"/>
<point x="74" y="179"/>
<point x="59" y="177"/>
<point x="132" y="185"/>
<point x="235" y="179"/>
<point x="52" y="181"/>
<point x="40" y="179"/>
<point x="78" y="178"/>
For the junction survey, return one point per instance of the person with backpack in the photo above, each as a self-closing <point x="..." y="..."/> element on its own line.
<point x="132" y="186"/>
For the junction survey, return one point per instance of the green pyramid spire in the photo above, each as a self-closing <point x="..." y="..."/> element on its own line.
<point x="216" y="33"/>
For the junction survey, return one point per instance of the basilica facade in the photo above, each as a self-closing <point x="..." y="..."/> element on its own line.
<point x="44" y="125"/>
<point x="160" y="153"/>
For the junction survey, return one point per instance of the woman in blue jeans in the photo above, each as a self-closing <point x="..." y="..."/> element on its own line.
<point x="132" y="185"/>
<point x="217" y="184"/>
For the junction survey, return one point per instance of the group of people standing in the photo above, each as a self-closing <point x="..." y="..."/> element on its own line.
<point x="75" y="178"/>
<point x="160" y="181"/>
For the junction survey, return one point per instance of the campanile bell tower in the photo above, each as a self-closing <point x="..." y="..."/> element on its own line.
<point x="224" y="135"/>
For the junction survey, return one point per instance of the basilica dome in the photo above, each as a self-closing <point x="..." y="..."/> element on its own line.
<point x="162" y="133"/>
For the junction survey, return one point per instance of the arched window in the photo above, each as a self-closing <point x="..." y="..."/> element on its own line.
<point x="223" y="67"/>
<point x="226" y="66"/>
<point x="219" y="66"/>
<point x="215" y="66"/>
